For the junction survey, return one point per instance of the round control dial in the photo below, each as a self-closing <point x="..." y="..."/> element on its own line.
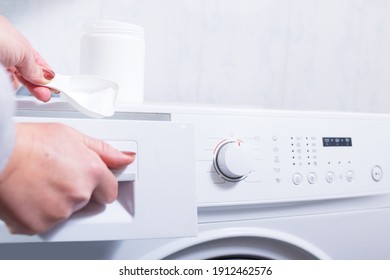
<point x="233" y="161"/>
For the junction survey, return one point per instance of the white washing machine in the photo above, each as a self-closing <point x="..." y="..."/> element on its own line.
<point x="219" y="183"/>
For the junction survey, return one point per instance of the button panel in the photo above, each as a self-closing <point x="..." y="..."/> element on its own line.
<point x="321" y="164"/>
<point x="330" y="177"/>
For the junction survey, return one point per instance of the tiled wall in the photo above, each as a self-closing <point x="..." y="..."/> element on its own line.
<point x="284" y="54"/>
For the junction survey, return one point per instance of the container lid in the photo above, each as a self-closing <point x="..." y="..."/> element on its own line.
<point x="110" y="26"/>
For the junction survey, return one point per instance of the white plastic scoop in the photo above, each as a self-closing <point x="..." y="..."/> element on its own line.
<point x="93" y="96"/>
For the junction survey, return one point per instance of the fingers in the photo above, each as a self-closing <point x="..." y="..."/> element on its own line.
<point x="41" y="93"/>
<point x="44" y="65"/>
<point x="107" y="190"/>
<point x="112" y="157"/>
<point x="34" y="71"/>
<point x="31" y="68"/>
<point x="23" y="62"/>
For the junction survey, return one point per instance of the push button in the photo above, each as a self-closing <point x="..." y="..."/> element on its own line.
<point x="330" y="177"/>
<point x="312" y="178"/>
<point x="350" y="176"/>
<point x="376" y="173"/>
<point x="297" y="179"/>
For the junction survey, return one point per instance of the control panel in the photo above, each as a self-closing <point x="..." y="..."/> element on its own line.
<point x="194" y="158"/>
<point x="288" y="157"/>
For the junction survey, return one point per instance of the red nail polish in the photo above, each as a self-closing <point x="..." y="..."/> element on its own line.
<point x="132" y="154"/>
<point x="48" y="74"/>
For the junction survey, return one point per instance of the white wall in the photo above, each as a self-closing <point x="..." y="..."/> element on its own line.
<point x="286" y="54"/>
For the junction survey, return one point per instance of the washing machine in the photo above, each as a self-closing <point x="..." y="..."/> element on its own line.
<point x="227" y="183"/>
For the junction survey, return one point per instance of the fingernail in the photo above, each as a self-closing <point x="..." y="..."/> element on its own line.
<point x="131" y="154"/>
<point x="48" y="74"/>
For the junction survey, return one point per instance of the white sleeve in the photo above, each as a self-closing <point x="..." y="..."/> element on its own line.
<point x="7" y="127"/>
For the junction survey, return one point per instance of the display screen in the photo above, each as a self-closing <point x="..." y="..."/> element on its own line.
<point x="337" y="141"/>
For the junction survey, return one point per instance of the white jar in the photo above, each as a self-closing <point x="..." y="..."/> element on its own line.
<point x="115" y="50"/>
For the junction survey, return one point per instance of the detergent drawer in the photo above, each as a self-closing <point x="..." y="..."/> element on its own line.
<point x="156" y="192"/>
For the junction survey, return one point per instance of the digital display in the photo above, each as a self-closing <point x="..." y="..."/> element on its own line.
<point x="337" y="141"/>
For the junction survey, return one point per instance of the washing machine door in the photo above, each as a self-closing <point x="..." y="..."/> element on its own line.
<point x="240" y="243"/>
<point x="156" y="192"/>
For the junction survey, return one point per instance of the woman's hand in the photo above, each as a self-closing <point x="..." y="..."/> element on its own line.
<point x="54" y="171"/>
<point x="23" y="62"/>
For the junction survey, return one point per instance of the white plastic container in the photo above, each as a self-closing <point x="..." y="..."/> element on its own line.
<point x="116" y="51"/>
